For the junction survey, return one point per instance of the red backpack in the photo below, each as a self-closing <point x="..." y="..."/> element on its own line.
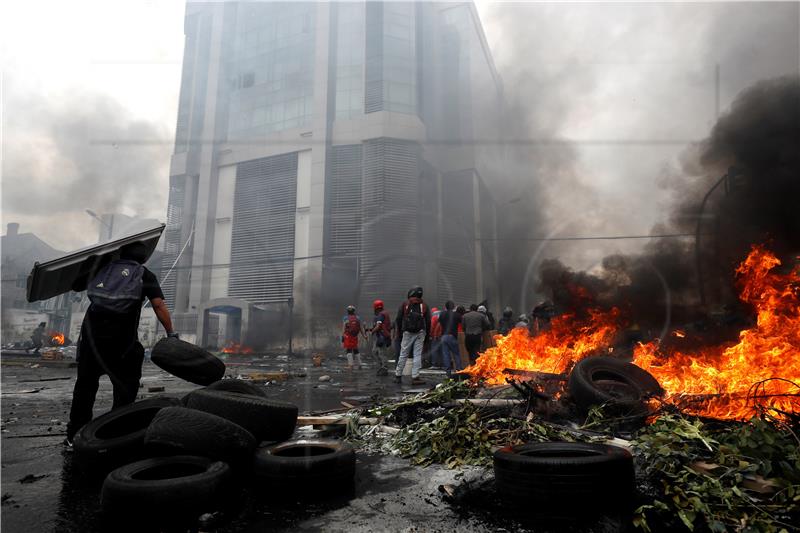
<point x="353" y="326"/>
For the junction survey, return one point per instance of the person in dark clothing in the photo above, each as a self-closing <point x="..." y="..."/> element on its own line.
<point x="37" y="337"/>
<point x="109" y="341"/>
<point x="489" y="314"/>
<point x="414" y="324"/>
<point x="449" y="321"/>
<point x="475" y="323"/>
<point x="506" y="322"/>
<point x="382" y="334"/>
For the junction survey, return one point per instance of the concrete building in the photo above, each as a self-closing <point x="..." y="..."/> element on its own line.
<point x="327" y="154"/>
<point x="19" y="317"/>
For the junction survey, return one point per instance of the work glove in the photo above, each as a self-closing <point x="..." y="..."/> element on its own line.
<point x="173" y="335"/>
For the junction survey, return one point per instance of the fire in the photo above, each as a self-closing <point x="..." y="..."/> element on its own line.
<point x="235" y="347"/>
<point x="56" y="338"/>
<point x="761" y="370"/>
<point x="721" y="376"/>
<point x="554" y="350"/>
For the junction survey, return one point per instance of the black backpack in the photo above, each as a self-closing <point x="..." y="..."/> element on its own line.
<point x="414" y="319"/>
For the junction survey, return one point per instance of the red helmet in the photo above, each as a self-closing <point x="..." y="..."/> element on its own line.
<point x="377" y="304"/>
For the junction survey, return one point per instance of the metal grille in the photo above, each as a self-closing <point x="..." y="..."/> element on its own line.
<point x="344" y="201"/>
<point x="172" y="236"/>
<point x="389" y="260"/>
<point x="262" y="241"/>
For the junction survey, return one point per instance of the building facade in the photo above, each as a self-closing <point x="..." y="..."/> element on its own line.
<point x="329" y="154"/>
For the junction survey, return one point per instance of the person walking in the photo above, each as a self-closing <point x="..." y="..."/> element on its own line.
<point x="381" y="332"/>
<point x="37" y="337"/>
<point x="475" y="323"/>
<point x="414" y="321"/>
<point x="449" y="322"/>
<point x="352" y="328"/>
<point x="109" y="342"/>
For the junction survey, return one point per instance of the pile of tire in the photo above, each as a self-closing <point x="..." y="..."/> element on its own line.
<point x="168" y="461"/>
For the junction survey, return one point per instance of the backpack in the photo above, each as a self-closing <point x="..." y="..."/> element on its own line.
<point x="353" y="326"/>
<point x="117" y="287"/>
<point x="414" y="319"/>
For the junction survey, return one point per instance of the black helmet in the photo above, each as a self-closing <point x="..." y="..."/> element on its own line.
<point x="507" y="312"/>
<point x="351" y="310"/>
<point x="415" y="292"/>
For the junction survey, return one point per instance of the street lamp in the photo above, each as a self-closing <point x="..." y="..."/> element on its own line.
<point x="729" y="180"/>
<point x="101" y="221"/>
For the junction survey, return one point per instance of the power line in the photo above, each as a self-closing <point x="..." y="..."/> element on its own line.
<point x="331" y="256"/>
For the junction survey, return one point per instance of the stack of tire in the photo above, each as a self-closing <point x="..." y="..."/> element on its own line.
<point x="172" y="460"/>
<point x="573" y="479"/>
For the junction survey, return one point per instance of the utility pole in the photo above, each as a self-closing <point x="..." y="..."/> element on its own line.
<point x="290" y="302"/>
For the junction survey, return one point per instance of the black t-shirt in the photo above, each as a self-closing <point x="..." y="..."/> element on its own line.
<point x="124" y="326"/>
<point x="449" y="321"/>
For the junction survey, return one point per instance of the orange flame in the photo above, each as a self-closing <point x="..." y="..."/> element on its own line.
<point x="725" y="375"/>
<point x="235" y="347"/>
<point x="56" y="338"/>
<point x="717" y="382"/>
<point x="555" y="350"/>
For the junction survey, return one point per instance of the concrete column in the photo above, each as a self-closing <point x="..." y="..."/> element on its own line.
<point x="478" y="260"/>
<point x="202" y="254"/>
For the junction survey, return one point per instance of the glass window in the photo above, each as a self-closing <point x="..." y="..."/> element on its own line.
<point x="273" y="59"/>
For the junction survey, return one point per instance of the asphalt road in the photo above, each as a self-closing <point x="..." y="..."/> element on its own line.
<point x="42" y="493"/>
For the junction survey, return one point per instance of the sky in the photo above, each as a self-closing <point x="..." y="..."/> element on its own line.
<point x="612" y="96"/>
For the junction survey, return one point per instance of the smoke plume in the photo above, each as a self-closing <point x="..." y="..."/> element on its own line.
<point x="73" y="152"/>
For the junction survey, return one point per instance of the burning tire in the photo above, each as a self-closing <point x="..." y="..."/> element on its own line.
<point x="118" y="436"/>
<point x="603" y="380"/>
<point x="314" y="468"/>
<point x="166" y="491"/>
<point x="266" y="419"/>
<point x="237" y="385"/>
<point x="196" y="432"/>
<point x="561" y="475"/>
<point x="187" y="361"/>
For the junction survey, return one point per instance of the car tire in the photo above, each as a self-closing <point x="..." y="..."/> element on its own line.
<point x="561" y="475"/>
<point x="117" y="437"/>
<point x="187" y="361"/>
<point x="197" y="433"/>
<point x="266" y="419"/>
<point x="237" y="385"/>
<point x="306" y="468"/>
<point x="623" y="387"/>
<point x="164" y="492"/>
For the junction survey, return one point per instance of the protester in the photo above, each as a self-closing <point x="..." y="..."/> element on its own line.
<point x="352" y="328"/>
<point x="506" y="322"/>
<point x="522" y="321"/>
<point x="475" y="323"/>
<point x="414" y="321"/>
<point x="37" y="337"/>
<point x="488" y="313"/>
<point x="109" y="342"/>
<point x="449" y="322"/>
<point x="435" y="351"/>
<point x="382" y="336"/>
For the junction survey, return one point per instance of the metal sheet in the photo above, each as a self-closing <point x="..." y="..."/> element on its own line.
<point x="56" y="276"/>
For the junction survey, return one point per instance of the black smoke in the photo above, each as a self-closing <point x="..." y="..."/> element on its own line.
<point x="752" y="161"/>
